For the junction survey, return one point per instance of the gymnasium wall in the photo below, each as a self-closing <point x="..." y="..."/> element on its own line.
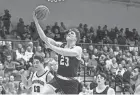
<point x="73" y="12"/>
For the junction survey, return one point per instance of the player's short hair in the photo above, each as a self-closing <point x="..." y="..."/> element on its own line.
<point x="102" y="75"/>
<point x="76" y="32"/>
<point x="41" y="59"/>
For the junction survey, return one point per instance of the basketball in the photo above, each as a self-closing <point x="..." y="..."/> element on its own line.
<point x="41" y="12"/>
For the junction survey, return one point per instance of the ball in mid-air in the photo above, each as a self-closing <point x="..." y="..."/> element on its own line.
<point x="41" y="12"/>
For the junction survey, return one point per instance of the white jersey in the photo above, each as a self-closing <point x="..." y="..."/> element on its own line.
<point x="38" y="82"/>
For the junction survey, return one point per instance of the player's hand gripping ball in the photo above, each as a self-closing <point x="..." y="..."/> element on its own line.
<point x="41" y="12"/>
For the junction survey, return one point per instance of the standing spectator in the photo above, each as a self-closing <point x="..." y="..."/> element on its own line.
<point x="34" y="34"/>
<point x="6" y="20"/>
<point x="112" y="34"/>
<point x="128" y="33"/>
<point x="55" y="27"/>
<point x="2" y="32"/>
<point x="81" y="30"/>
<point x="99" y="33"/>
<point x="57" y="36"/>
<point x="21" y="29"/>
<point x="86" y="30"/>
<point x="135" y="34"/>
<point x="62" y="30"/>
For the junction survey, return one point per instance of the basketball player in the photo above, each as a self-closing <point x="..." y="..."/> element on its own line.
<point x="68" y="61"/>
<point x="40" y="77"/>
<point x="135" y="76"/>
<point x="101" y="88"/>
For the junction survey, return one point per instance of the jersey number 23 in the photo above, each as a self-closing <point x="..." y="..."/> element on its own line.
<point x="64" y="61"/>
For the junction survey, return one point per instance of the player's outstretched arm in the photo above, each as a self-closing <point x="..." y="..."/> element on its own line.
<point x="26" y="82"/>
<point x="42" y="34"/>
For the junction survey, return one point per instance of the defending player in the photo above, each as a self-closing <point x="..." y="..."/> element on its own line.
<point x="39" y="78"/>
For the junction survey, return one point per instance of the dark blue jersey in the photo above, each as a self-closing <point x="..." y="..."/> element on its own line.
<point x="67" y="66"/>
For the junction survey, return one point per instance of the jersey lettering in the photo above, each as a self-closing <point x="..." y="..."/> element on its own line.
<point x="39" y="82"/>
<point x="64" y="61"/>
<point x="36" y="88"/>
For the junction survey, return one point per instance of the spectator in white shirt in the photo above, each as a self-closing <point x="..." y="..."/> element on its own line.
<point x="121" y="69"/>
<point x="28" y="54"/>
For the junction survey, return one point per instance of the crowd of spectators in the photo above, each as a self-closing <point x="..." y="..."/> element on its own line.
<point x="116" y="61"/>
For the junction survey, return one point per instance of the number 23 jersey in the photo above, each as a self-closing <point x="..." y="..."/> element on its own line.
<point x="38" y="82"/>
<point x="67" y="65"/>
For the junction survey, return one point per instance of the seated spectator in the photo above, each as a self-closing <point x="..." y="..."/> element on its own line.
<point x="12" y="85"/>
<point x="84" y="91"/>
<point x="2" y="90"/>
<point x="39" y="52"/>
<point x="1" y="80"/>
<point x="1" y="70"/>
<point x="114" y="66"/>
<point x="93" y="85"/>
<point x="92" y="64"/>
<point x="90" y="51"/>
<point x="95" y="54"/>
<point x="9" y="64"/>
<point x="28" y="54"/>
<point x="20" y="54"/>
<point x="116" y="52"/>
<point x="49" y="33"/>
<point x="21" y="89"/>
<point x="85" y="55"/>
<point x="120" y="70"/>
<point x="126" y="76"/>
<point x="119" y="79"/>
<point x="108" y="62"/>
<point x="6" y="83"/>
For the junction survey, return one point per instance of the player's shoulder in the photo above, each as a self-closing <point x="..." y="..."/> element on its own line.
<point x="110" y="91"/>
<point x="78" y="48"/>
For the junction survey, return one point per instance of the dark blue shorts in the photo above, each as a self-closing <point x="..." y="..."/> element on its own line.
<point x="65" y="86"/>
